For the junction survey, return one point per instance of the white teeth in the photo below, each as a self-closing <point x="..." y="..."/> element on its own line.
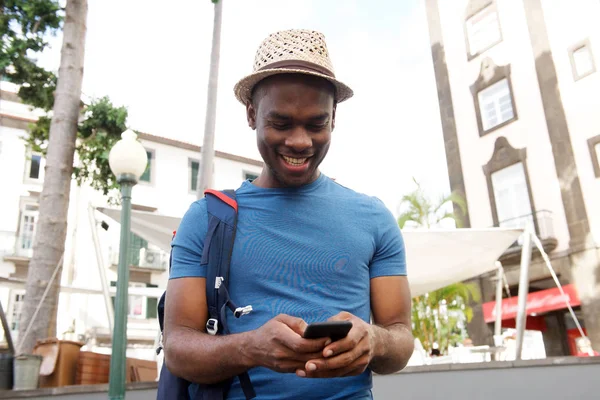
<point x="294" y="161"/>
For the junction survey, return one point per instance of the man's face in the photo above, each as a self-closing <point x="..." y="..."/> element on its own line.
<point x="294" y="116"/>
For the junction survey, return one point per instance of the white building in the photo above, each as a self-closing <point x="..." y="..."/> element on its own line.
<point x="167" y="188"/>
<point x="519" y="96"/>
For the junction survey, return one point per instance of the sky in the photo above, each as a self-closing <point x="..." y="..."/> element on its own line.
<point x="153" y="57"/>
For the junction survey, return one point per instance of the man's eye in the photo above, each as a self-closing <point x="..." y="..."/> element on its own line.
<point x="280" y="127"/>
<point x="315" y="128"/>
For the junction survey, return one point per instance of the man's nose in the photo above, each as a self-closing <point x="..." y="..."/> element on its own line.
<point x="299" y="140"/>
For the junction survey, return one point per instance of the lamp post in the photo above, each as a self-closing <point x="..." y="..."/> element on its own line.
<point x="127" y="160"/>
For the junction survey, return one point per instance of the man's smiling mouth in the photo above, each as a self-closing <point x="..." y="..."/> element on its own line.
<point x="294" y="161"/>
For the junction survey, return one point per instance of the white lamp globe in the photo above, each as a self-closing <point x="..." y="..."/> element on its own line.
<point x="128" y="158"/>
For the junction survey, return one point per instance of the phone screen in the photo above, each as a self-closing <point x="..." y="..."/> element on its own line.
<point x="335" y="330"/>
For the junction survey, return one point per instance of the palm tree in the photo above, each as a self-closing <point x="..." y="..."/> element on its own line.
<point x="205" y="175"/>
<point x="440" y="316"/>
<point x="420" y="211"/>
<point x="49" y="243"/>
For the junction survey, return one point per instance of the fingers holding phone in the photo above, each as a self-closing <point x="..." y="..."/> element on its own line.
<point x="279" y="345"/>
<point x="350" y="355"/>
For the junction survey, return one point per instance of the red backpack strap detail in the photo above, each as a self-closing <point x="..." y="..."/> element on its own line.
<point x="223" y="197"/>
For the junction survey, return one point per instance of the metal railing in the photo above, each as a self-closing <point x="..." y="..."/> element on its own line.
<point x="540" y="221"/>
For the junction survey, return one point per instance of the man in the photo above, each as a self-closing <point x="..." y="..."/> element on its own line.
<point x="306" y="250"/>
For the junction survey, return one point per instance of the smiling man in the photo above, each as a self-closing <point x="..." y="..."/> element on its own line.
<point x="306" y="250"/>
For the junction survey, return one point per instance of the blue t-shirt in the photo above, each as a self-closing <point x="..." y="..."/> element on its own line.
<point x="309" y="252"/>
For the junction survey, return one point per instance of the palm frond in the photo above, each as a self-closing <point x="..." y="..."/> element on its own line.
<point x="457" y="200"/>
<point x="408" y="216"/>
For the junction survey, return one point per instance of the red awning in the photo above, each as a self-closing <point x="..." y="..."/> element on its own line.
<point x="537" y="303"/>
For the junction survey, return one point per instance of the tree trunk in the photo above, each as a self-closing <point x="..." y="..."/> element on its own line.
<point x="49" y="243"/>
<point x="205" y="175"/>
<point x="478" y="330"/>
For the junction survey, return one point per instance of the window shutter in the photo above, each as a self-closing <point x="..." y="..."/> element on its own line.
<point x="151" y="304"/>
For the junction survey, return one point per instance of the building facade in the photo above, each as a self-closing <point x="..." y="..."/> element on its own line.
<point x="519" y="92"/>
<point x="168" y="187"/>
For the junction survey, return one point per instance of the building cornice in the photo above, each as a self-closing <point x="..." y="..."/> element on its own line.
<point x="19" y="122"/>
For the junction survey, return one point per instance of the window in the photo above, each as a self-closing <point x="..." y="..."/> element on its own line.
<point x="495" y="104"/>
<point x="27" y="229"/>
<point x="483" y="31"/>
<point x="194" y="169"/>
<point x="15" y="308"/>
<point x="511" y="194"/>
<point x="594" y="146"/>
<point x="582" y="61"/>
<point x="138" y="306"/>
<point x="137" y="243"/>
<point x="34" y="169"/>
<point x="250" y="176"/>
<point x="147" y="175"/>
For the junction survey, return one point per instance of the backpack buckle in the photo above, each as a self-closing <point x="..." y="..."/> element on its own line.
<point x="218" y="281"/>
<point x="242" y="311"/>
<point x="160" y="344"/>
<point x="212" y="326"/>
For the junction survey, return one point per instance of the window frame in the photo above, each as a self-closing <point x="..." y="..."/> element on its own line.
<point x="594" y="142"/>
<point x="142" y="299"/>
<point x="503" y="157"/>
<point x="34" y="210"/>
<point x="245" y="174"/>
<point x="10" y="310"/>
<point x="190" y="161"/>
<point x="489" y="75"/>
<point x="27" y="173"/>
<point x="475" y="8"/>
<point x="578" y="46"/>
<point x="480" y="96"/>
<point x="152" y="162"/>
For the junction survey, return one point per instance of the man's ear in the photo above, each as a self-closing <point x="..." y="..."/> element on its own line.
<point x="251" y="115"/>
<point x="333" y="117"/>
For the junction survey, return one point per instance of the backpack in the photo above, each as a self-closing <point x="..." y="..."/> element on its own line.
<point x="218" y="247"/>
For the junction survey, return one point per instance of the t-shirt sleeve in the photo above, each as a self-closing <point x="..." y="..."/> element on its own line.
<point x="390" y="257"/>
<point x="188" y="244"/>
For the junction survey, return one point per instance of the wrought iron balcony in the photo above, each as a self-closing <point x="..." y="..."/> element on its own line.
<point x="542" y="223"/>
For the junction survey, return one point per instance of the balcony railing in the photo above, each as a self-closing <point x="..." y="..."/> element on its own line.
<point x="13" y="245"/>
<point x="143" y="258"/>
<point x="541" y="222"/>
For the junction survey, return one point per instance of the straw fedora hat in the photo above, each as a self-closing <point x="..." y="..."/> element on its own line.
<point x="296" y="51"/>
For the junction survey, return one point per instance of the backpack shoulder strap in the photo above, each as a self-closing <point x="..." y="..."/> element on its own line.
<point x="218" y="247"/>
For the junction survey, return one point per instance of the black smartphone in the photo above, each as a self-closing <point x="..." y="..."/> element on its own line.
<point x="335" y="330"/>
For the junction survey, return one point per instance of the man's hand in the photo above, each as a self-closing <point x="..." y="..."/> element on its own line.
<point x="279" y="345"/>
<point x="346" y="357"/>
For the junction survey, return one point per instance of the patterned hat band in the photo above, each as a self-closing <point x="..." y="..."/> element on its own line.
<point x="298" y="65"/>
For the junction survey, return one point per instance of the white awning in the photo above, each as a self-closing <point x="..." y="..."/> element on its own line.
<point x="435" y="258"/>
<point x="155" y="228"/>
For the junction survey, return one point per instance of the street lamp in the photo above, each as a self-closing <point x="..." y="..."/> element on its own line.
<point x="127" y="160"/>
